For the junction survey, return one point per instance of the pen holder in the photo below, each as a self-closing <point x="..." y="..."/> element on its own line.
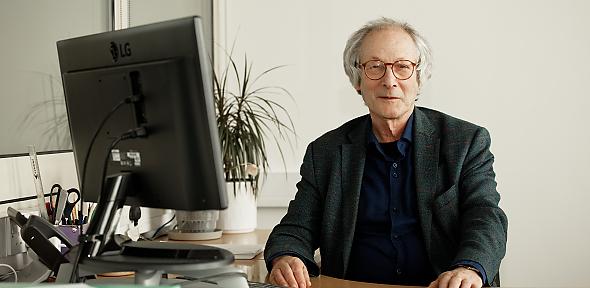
<point x="72" y="232"/>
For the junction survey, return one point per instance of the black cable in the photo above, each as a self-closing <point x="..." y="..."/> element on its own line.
<point x="96" y="132"/>
<point x="160" y="228"/>
<point x="127" y="100"/>
<point x="105" y="165"/>
<point x="130" y="134"/>
<point x="75" y="272"/>
<point x="133" y="133"/>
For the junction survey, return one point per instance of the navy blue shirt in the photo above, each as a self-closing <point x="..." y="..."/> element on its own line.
<point x="388" y="246"/>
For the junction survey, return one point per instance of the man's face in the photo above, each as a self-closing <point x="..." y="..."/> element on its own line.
<point x="389" y="98"/>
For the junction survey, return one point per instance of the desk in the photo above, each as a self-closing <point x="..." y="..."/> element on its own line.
<point x="256" y="268"/>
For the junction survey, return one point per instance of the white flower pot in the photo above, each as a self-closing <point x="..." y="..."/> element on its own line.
<point x="240" y="215"/>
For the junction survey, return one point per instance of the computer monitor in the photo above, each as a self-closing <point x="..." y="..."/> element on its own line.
<point x="163" y="71"/>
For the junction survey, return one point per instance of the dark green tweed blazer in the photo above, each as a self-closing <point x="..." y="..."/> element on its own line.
<point x="455" y="183"/>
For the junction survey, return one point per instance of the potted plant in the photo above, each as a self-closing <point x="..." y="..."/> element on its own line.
<point x="248" y="115"/>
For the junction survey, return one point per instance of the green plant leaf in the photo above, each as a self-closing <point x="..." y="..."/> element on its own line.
<point x="248" y="116"/>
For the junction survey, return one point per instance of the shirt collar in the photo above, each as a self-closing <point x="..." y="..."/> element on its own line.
<point x="402" y="145"/>
<point x="407" y="135"/>
<point x="409" y="130"/>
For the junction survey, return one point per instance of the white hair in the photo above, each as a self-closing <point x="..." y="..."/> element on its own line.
<point x="351" y="55"/>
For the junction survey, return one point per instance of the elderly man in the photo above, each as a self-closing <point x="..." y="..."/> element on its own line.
<point x="405" y="195"/>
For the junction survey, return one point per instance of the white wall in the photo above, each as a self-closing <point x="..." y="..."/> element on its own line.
<point x="519" y="68"/>
<point x="16" y="178"/>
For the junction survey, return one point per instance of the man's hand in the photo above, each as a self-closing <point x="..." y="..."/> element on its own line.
<point x="289" y="271"/>
<point x="460" y="277"/>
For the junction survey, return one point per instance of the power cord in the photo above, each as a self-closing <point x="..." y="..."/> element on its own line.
<point x="13" y="271"/>
<point x="133" y="133"/>
<point x="156" y="234"/>
<point x="128" y="100"/>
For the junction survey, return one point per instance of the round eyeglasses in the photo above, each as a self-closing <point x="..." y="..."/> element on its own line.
<point x="402" y="69"/>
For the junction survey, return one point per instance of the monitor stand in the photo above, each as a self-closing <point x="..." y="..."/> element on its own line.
<point x="148" y="259"/>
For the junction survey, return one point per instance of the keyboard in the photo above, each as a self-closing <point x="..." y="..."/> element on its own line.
<point x="262" y="285"/>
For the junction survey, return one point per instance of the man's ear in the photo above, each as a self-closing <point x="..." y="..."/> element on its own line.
<point x="358" y="88"/>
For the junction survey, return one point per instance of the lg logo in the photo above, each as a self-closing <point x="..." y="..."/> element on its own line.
<point x="120" y="50"/>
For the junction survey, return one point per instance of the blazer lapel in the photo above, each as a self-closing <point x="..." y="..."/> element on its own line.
<point x="425" y="164"/>
<point x="353" y="165"/>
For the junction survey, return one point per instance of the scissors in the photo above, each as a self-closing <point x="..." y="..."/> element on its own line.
<point x="53" y="204"/>
<point x="66" y="200"/>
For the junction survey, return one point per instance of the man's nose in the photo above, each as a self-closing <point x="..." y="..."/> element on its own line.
<point x="389" y="79"/>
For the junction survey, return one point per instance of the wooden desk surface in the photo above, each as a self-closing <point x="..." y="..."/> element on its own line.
<point x="256" y="271"/>
<point x="256" y="268"/>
